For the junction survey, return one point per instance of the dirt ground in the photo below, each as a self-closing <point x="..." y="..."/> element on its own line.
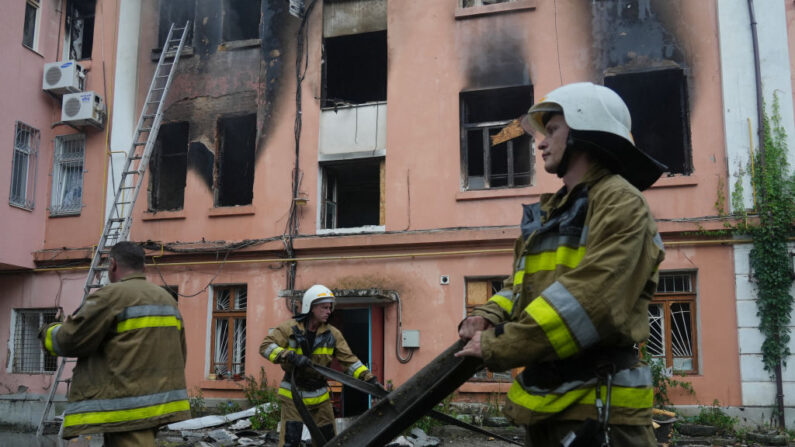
<point x="451" y="435"/>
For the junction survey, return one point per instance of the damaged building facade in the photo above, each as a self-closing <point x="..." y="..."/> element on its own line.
<point x="352" y="147"/>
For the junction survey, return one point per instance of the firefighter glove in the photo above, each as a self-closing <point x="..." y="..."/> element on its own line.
<point x="298" y="360"/>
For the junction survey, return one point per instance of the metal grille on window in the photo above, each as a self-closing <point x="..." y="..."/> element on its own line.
<point x="229" y="330"/>
<point x="672" y="337"/>
<point x="23" y="170"/>
<point x="29" y="357"/>
<point x="67" y="181"/>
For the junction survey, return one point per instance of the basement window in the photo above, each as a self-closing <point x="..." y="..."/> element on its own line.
<point x="484" y="113"/>
<point x="240" y="20"/>
<point x="672" y="323"/>
<point x="657" y="101"/>
<point x="80" y="28"/>
<point x="168" y="168"/>
<point x="237" y="137"/>
<point x="26" y="352"/>
<point x="354" y="69"/>
<point x="177" y="12"/>
<point x="351" y="193"/>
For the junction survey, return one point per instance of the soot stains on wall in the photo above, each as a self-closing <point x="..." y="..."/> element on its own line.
<point x="201" y="161"/>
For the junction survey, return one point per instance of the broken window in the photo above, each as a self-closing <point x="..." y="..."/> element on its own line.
<point x="352" y="193"/>
<point x="672" y="323"/>
<point x="168" y="167"/>
<point x="23" y="166"/>
<point x="478" y="292"/>
<point x="229" y="330"/>
<point x="240" y="20"/>
<point x="67" y="175"/>
<point x="177" y="12"/>
<point x="657" y="101"/>
<point x="484" y="113"/>
<point x="80" y="28"/>
<point x="354" y="69"/>
<point x="27" y="354"/>
<point x="236" y="160"/>
<point x="470" y="3"/>
<point x="30" y="38"/>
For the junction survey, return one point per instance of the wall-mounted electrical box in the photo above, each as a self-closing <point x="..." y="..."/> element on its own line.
<point x="410" y="339"/>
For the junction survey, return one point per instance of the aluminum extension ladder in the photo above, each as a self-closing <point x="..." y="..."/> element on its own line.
<point x="119" y="220"/>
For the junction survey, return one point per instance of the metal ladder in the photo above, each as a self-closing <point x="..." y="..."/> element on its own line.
<point x="119" y="220"/>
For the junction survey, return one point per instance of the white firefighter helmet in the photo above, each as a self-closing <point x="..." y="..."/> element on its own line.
<point x="316" y="294"/>
<point x="599" y="116"/>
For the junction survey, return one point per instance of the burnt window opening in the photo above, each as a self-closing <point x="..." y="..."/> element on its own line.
<point x="484" y="113"/>
<point x="168" y="168"/>
<point x="173" y="291"/>
<point x="177" y="12"/>
<point x="236" y="160"/>
<point x="352" y="193"/>
<point x="657" y="101"/>
<point x="354" y="69"/>
<point x="240" y="20"/>
<point x="80" y="28"/>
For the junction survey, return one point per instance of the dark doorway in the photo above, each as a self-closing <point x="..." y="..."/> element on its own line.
<point x="355" y="327"/>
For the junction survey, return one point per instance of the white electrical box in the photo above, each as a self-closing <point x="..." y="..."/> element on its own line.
<point x="63" y="77"/>
<point x="81" y="109"/>
<point x="410" y="339"/>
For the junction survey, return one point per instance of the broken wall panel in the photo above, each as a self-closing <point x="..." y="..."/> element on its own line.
<point x="237" y="140"/>
<point x="354" y="69"/>
<point x="344" y="17"/>
<point x="168" y="167"/>
<point x="357" y="128"/>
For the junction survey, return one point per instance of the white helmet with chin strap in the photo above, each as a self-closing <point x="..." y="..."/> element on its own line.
<point x="599" y="117"/>
<point x="316" y="294"/>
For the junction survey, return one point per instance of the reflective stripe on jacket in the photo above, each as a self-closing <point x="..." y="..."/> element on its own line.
<point x="130" y="373"/>
<point x="585" y="269"/>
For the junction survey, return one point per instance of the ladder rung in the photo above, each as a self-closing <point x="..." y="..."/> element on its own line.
<point x="150" y="116"/>
<point x="131" y="172"/>
<point x="93" y="286"/>
<point x="116" y="219"/>
<point x="140" y="143"/>
<point x="136" y="157"/>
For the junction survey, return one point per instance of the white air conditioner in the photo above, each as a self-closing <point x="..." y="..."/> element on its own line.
<point x="63" y="77"/>
<point x="80" y="109"/>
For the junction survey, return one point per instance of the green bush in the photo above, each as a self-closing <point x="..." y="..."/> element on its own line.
<point x="257" y="393"/>
<point x="714" y="417"/>
<point x="197" y="405"/>
<point x="662" y="380"/>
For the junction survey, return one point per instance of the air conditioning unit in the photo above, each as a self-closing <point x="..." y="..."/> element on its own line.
<point x="81" y="109"/>
<point x="63" y="77"/>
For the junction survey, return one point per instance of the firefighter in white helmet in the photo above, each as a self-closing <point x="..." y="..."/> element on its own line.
<point x="585" y="268"/>
<point x="294" y="344"/>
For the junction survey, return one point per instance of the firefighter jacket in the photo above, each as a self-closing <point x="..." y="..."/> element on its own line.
<point x="329" y="344"/>
<point x="585" y="268"/>
<point x="129" y="341"/>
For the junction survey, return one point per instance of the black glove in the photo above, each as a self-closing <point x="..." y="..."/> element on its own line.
<point x="298" y="360"/>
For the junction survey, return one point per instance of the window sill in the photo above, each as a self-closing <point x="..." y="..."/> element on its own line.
<point x="352" y="230"/>
<point x="503" y="193"/>
<point x="187" y="51"/>
<point x="236" y="385"/>
<point x="676" y="181"/>
<point x="163" y="215"/>
<point x="64" y="214"/>
<point x="21" y="207"/>
<point x="476" y="11"/>
<point x="239" y="210"/>
<point x="32" y="50"/>
<point x="240" y="44"/>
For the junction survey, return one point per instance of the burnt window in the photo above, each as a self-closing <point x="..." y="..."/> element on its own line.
<point x="657" y="101"/>
<point x="177" y="12"/>
<point x="484" y="113"/>
<point x="80" y="28"/>
<point x="241" y="19"/>
<point x="236" y="160"/>
<point x="354" y="68"/>
<point x="168" y="167"/>
<point x="352" y="193"/>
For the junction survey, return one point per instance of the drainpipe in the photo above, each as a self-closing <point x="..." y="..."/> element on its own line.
<point x="760" y="132"/>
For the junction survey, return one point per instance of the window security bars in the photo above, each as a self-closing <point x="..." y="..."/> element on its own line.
<point x="672" y="326"/>
<point x="229" y="330"/>
<point x="28" y="355"/>
<point x="67" y="175"/>
<point x="23" y="167"/>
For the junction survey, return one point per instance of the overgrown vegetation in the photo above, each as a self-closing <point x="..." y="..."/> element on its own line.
<point x="715" y="417"/>
<point x="426" y="423"/>
<point x="663" y="380"/>
<point x="197" y="406"/>
<point x="257" y="392"/>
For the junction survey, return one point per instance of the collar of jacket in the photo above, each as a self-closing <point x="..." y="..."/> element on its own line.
<point x="561" y="198"/>
<point x="320" y="329"/>
<point x="138" y="275"/>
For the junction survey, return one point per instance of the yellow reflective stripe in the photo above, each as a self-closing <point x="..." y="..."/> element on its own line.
<point x="107" y="417"/>
<point x="307" y="400"/>
<point x="275" y="353"/>
<point x="323" y="350"/>
<point x="144" y="322"/>
<point x="359" y="371"/>
<point x="504" y="303"/>
<point x="48" y="340"/>
<point x="558" y="334"/>
<point x="549" y="260"/>
<point x="518" y="277"/>
<point x="555" y="403"/>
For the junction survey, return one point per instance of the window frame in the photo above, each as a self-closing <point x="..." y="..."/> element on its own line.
<point x="59" y="161"/>
<point x="486" y="375"/>
<point x="231" y="316"/>
<point x="68" y="23"/>
<point x="330" y="194"/>
<point x="34" y="45"/>
<point x="47" y="363"/>
<point x="25" y="197"/>
<point x="667" y="299"/>
<point x="479" y="3"/>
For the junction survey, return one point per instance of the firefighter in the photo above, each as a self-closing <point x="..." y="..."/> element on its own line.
<point x="129" y="340"/>
<point x="584" y="270"/>
<point x="300" y="341"/>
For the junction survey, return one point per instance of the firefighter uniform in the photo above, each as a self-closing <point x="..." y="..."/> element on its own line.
<point x="129" y="341"/>
<point x="328" y="344"/>
<point x="585" y="268"/>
